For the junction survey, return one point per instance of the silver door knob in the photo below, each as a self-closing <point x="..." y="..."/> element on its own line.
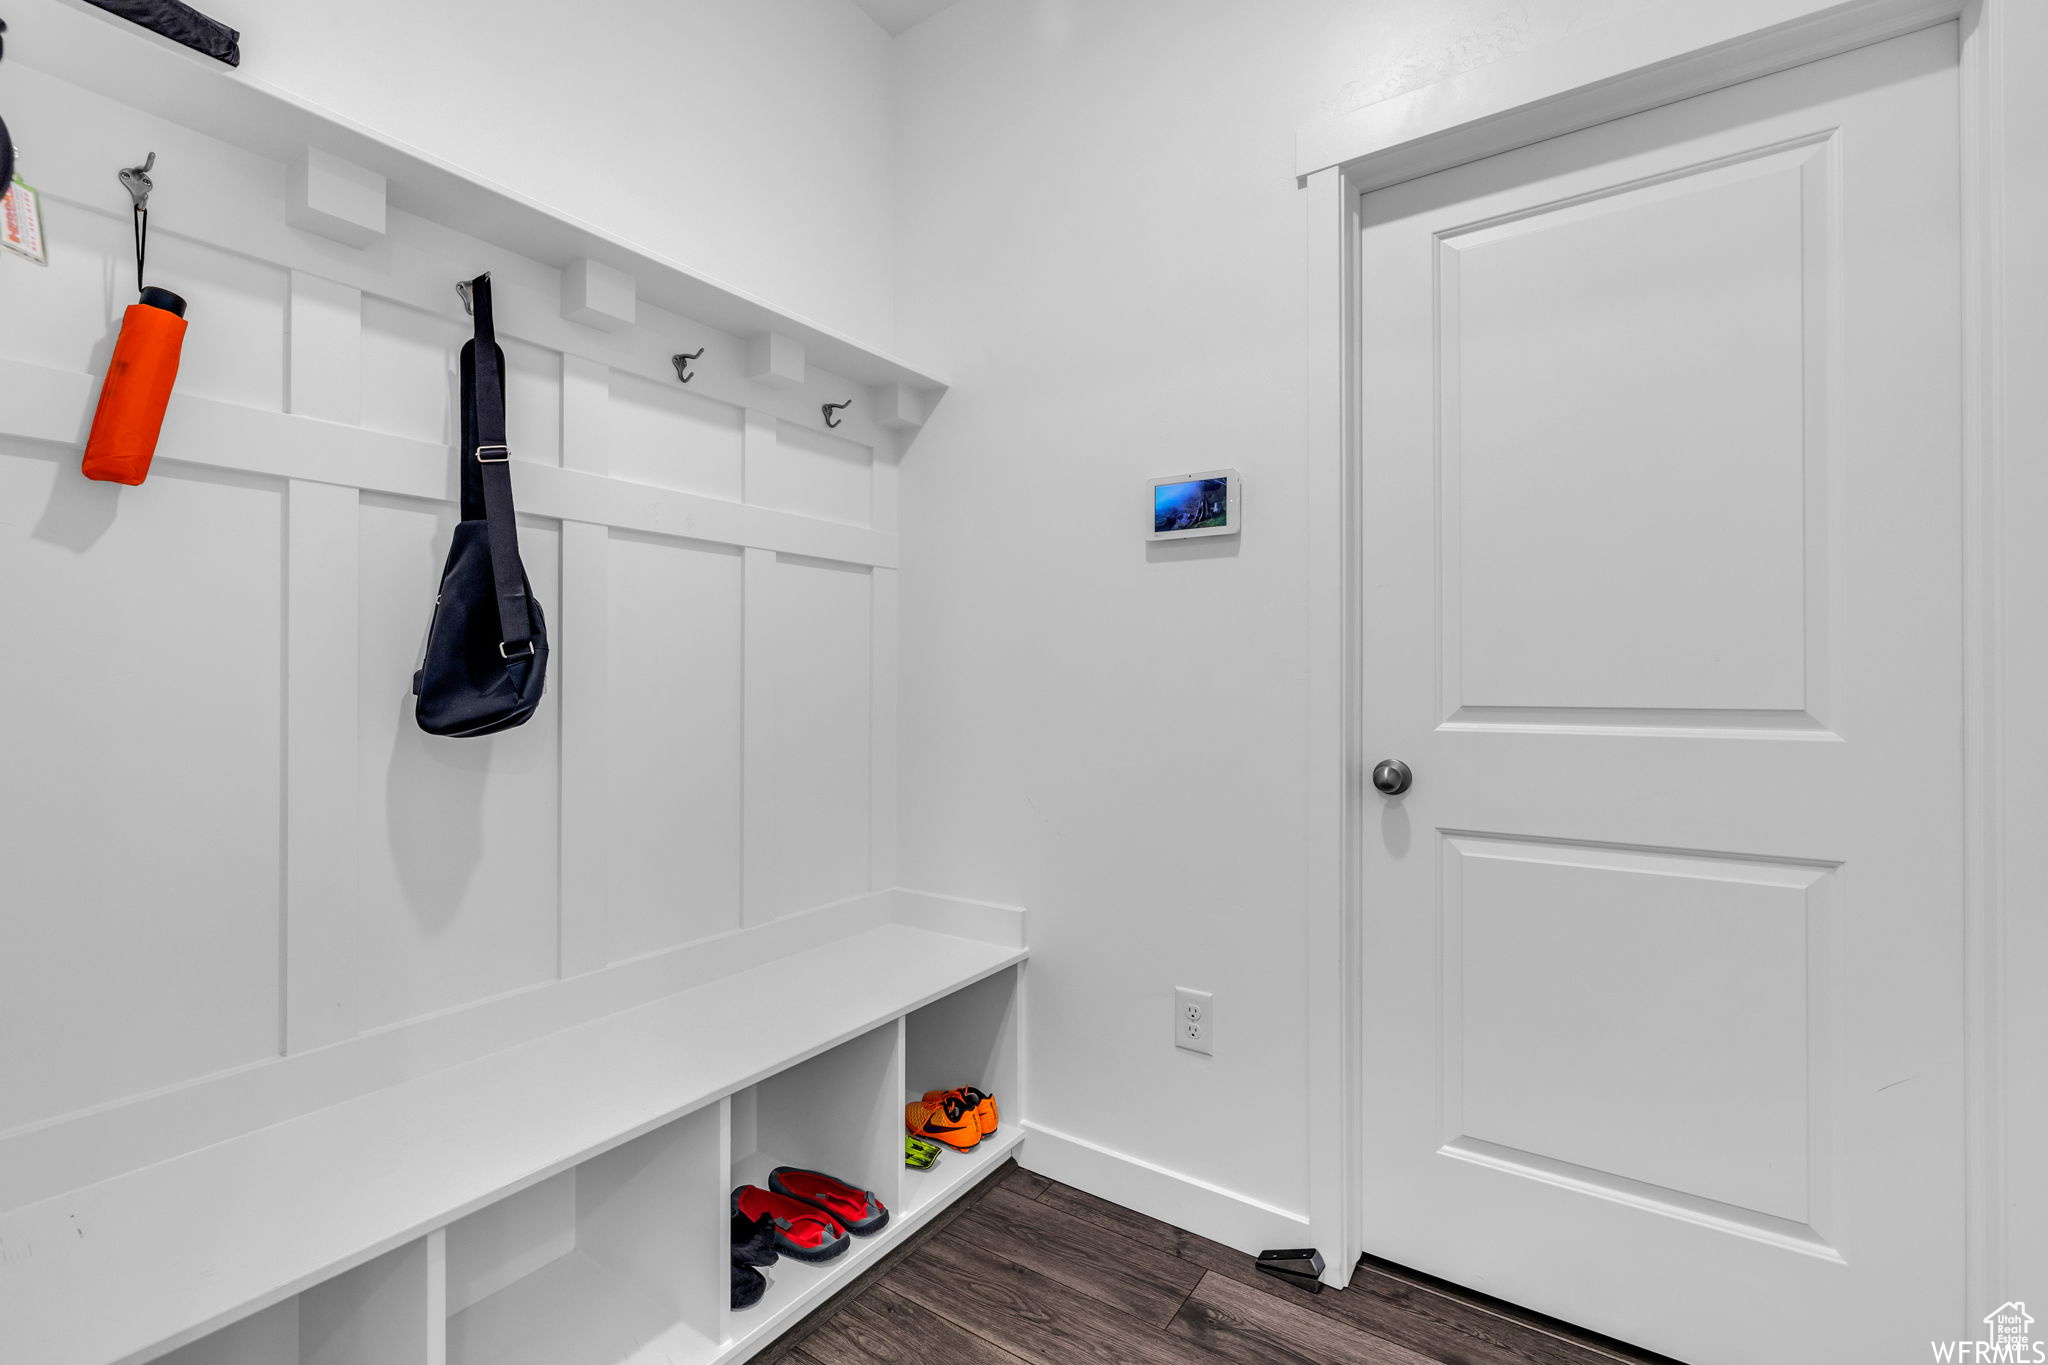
<point x="1392" y="777"/>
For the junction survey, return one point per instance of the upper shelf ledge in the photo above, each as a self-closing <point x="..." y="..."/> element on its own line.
<point x="90" y="48"/>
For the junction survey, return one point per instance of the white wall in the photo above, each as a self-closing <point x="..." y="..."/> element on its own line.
<point x="1102" y="243"/>
<point x="749" y="141"/>
<point x="2022" y="1108"/>
<point x="251" y="886"/>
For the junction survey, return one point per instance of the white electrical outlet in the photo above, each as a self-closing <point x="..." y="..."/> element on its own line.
<point x="1194" y="1021"/>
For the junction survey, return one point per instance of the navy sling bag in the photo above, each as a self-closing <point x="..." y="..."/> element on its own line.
<point x="487" y="649"/>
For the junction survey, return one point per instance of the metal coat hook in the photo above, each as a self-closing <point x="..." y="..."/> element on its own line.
<point x="832" y="408"/>
<point x="135" y="179"/>
<point x="682" y="364"/>
<point x="462" y="288"/>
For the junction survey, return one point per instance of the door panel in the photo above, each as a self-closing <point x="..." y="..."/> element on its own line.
<point x="1571" y="338"/>
<point x="1693" y="1076"/>
<point x="1662" y="580"/>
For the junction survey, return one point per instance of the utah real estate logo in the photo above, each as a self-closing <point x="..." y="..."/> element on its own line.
<point x="2008" y="1340"/>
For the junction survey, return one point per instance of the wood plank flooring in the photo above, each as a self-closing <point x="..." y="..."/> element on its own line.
<point x="1026" y="1271"/>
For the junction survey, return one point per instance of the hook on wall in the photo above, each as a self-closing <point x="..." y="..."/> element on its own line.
<point x="135" y="179"/>
<point x="682" y="364"/>
<point x="832" y="410"/>
<point x="462" y="288"/>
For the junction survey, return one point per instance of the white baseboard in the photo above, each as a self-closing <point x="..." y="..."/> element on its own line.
<point x="1238" y="1221"/>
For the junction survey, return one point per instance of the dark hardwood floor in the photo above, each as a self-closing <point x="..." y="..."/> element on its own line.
<point x="1025" y="1271"/>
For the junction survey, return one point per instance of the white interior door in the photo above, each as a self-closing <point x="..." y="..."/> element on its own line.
<point x="1662" y="590"/>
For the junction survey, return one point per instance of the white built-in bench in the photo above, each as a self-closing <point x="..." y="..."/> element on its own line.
<point x="562" y="1201"/>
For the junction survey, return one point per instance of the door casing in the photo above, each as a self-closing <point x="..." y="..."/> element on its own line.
<point x="1670" y="53"/>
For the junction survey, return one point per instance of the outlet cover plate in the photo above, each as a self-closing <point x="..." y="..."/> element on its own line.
<point x="1194" y="1021"/>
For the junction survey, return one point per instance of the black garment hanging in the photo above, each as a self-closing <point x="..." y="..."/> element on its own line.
<point x="181" y="24"/>
<point x="6" y="143"/>
<point x="487" y="649"/>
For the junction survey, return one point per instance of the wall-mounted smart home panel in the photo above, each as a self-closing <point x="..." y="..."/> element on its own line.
<point x="1188" y="505"/>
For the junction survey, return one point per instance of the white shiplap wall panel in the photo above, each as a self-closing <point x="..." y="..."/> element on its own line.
<point x="409" y="384"/>
<point x="579" y="631"/>
<point x="822" y="474"/>
<point x="581" y="634"/>
<point x="140" y="811"/>
<point x="45" y="404"/>
<point x="322" y="716"/>
<point x="234" y="343"/>
<point x="819" y="619"/>
<point x="324" y="350"/>
<point x="229" y="839"/>
<point x="77" y="297"/>
<point x="533" y="401"/>
<point x="458" y="838"/>
<point x="883" y="782"/>
<point x="670" y="437"/>
<point x="235" y="317"/>
<point x="760" y="860"/>
<point x="674" y="709"/>
<point x="887" y="467"/>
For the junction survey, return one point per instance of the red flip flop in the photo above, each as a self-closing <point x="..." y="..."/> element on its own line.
<point x="859" y="1210"/>
<point x="801" y="1230"/>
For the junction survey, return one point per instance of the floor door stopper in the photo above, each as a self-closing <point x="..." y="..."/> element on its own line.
<point x="1301" y="1267"/>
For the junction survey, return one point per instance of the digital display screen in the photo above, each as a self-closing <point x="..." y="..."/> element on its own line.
<point x="1195" y="505"/>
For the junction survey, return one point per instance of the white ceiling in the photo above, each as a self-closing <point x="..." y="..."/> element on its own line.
<point x="897" y="15"/>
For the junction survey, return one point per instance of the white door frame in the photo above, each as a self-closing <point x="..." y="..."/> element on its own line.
<point x="1674" y="51"/>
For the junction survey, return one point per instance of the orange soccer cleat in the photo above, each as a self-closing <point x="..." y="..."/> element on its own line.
<point x="944" y="1118"/>
<point x="977" y="1102"/>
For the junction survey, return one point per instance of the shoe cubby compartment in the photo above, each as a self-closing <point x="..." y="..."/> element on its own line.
<point x="562" y="1201"/>
<point x="621" y="1257"/>
<point x="836" y="1112"/>
<point x="384" y="1312"/>
<point x="966" y="1038"/>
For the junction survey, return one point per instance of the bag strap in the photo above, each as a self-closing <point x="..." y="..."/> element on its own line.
<point x="487" y="472"/>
